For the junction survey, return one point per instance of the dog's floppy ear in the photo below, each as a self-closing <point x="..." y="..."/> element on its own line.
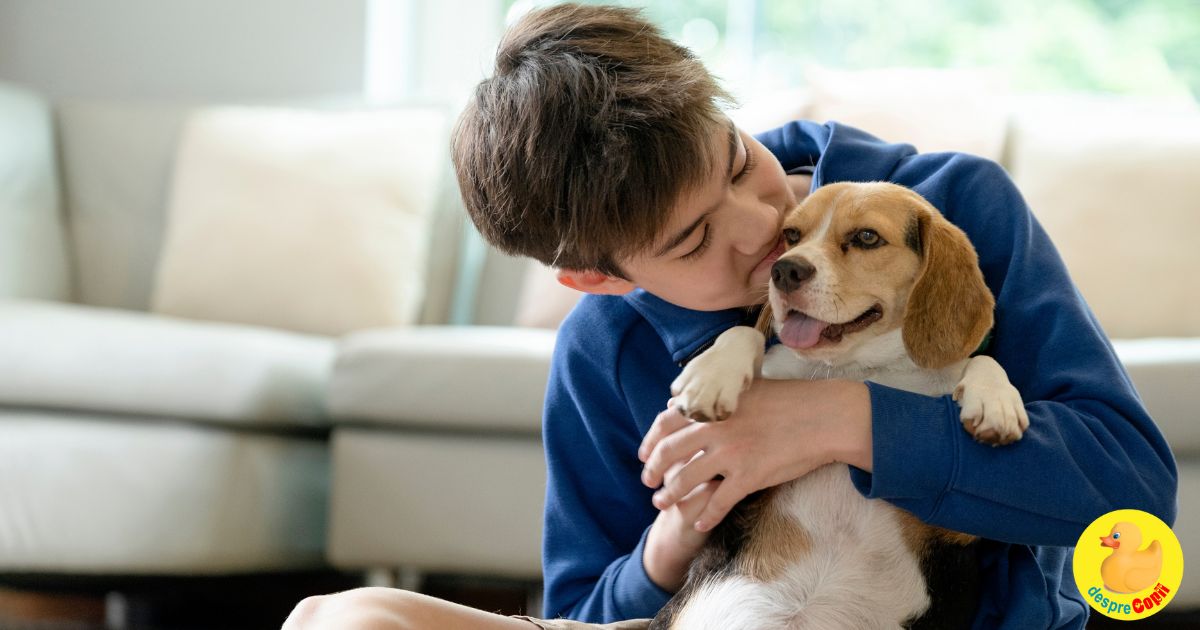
<point x="765" y="321"/>
<point x="950" y="308"/>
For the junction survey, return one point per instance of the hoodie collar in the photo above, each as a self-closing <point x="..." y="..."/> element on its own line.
<point x="686" y="332"/>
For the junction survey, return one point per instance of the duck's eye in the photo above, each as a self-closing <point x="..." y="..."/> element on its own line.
<point x="868" y="238"/>
<point x="1116" y="535"/>
<point x="791" y="236"/>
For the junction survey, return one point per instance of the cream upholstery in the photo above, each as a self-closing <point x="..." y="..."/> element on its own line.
<point x="67" y="356"/>
<point x="1115" y="186"/>
<point x="117" y="161"/>
<point x="316" y="222"/>
<point x="33" y="250"/>
<point x="110" y="494"/>
<point x="463" y="502"/>
<point x="443" y="377"/>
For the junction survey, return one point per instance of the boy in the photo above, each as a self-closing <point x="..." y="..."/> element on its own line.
<point x="598" y="148"/>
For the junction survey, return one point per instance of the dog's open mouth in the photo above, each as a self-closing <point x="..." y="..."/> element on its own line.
<point x="799" y="331"/>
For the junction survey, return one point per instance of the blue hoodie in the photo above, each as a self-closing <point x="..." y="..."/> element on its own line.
<point x="1091" y="447"/>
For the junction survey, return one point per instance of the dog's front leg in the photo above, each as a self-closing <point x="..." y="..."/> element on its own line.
<point x="992" y="409"/>
<point x="710" y="384"/>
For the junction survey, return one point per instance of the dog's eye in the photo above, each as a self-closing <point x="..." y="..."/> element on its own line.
<point x="791" y="235"/>
<point x="867" y="239"/>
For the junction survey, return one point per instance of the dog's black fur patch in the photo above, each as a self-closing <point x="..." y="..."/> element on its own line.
<point x="912" y="236"/>
<point x="952" y="578"/>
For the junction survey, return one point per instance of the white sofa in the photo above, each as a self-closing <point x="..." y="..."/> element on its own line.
<point x="134" y="444"/>
<point x="137" y="444"/>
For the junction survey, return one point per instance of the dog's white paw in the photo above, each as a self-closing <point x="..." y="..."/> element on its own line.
<point x="710" y="384"/>
<point x="992" y="409"/>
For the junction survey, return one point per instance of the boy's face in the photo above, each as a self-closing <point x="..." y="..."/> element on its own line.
<point x="722" y="237"/>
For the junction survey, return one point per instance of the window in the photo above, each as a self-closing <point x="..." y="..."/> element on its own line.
<point x="1149" y="48"/>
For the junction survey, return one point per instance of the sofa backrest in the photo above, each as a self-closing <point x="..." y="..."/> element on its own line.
<point x="34" y="261"/>
<point x="116" y="160"/>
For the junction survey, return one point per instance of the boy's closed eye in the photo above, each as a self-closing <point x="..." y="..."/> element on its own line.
<point x="704" y="243"/>
<point x="747" y="166"/>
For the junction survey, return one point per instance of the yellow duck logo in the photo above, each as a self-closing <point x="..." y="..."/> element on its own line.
<point x="1128" y="569"/>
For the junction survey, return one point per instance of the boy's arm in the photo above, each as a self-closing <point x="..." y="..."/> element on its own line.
<point x="597" y="513"/>
<point x="1091" y="447"/>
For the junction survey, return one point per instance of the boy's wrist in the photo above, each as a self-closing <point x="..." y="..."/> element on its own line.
<point x="853" y="440"/>
<point x="666" y="572"/>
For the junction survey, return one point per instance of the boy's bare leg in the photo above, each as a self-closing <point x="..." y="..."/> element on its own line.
<point x="377" y="608"/>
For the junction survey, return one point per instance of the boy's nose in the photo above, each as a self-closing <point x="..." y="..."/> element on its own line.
<point x="789" y="273"/>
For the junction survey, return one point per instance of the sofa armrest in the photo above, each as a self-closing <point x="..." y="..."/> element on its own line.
<point x="450" y="377"/>
<point x="1166" y="373"/>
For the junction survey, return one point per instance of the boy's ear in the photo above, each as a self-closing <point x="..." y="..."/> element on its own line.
<point x="593" y="282"/>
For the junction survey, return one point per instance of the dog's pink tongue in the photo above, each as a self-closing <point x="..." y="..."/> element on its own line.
<point x="801" y="331"/>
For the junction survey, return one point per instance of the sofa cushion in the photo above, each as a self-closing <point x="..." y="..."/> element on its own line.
<point x="443" y="377"/>
<point x="33" y="251"/>
<point x="305" y="220"/>
<point x="85" y="493"/>
<point x="1115" y="186"/>
<point x="452" y="502"/>
<point x="88" y="358"/>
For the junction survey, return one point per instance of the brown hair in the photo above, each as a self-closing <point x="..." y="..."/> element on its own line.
<point x="591" y="126"/>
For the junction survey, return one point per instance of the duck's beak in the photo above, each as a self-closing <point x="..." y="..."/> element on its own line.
<point x="1109" y="541"/>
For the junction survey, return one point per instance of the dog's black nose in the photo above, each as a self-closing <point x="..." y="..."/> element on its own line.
<point x="789" y="273"/>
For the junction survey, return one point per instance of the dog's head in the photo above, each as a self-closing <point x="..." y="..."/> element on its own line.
<point x="863" y="260"/>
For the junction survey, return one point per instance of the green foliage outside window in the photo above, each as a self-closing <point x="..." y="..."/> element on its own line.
<point x="1148" y="48"/>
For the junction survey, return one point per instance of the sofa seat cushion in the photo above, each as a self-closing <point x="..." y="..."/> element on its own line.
<point x="82" y="493"/>
<point x="437" y="502"/>
<point x="66" y="356"/>
<point x="1166" y="373"/>
<point x="476" y="377"/>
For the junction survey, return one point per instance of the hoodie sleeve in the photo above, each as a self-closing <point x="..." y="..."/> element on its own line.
<point x="1091" y="447"/>
<point x="597" y="511"/>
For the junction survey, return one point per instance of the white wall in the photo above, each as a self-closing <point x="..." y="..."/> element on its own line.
<point x="430" y="50"/>
<point x="184" y="49"/>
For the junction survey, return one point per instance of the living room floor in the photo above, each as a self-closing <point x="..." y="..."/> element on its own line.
<point x="262" y="603"/>
<point x="225" y="603"/>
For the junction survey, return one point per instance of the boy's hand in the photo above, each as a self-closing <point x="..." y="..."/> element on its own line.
<point x="782" y="430"/>
<point x="673" y="542"/>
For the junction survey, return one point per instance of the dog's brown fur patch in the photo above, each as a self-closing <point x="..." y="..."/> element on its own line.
<point x="774" y="543"/>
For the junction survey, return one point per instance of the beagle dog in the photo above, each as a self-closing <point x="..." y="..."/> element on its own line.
<point x="875" y="284"/>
